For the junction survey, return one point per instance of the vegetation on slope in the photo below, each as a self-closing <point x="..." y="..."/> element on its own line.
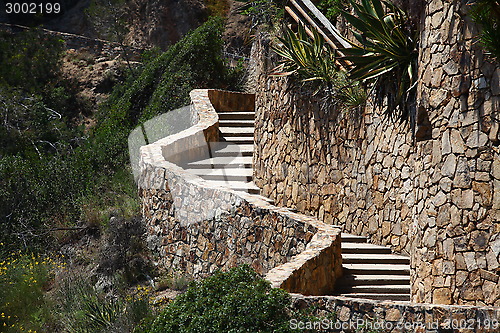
<point x="234" y="301"/>
<point x="54" y="175"/>
<point x="51" y="171"/>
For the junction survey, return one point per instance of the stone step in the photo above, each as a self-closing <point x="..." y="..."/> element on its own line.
<point x="270" y="201"/>
<point x="236" y="123"/>
<point x="357" y="279"/>
<point x="380" y="297"/>
<point x="380" y="289"/>
<point x="248" y="187"/>
<point x="373" y="258"/>
<point x="239" y="140"/>
<point x="237" y="115"/>
<point x="235" y="111"/>
<point x="237" y="131"/>
<point x="238" y="174"/>
<point x="222" y="162"/>
<point x="378" y="269"/>
<point x="362" y="248"/>
<point x="231" y="149"/>
<point x="349" y="238"/>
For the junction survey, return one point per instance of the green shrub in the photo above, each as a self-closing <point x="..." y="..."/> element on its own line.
<point x="235" y="301"/>
<point x="38" y="194"/>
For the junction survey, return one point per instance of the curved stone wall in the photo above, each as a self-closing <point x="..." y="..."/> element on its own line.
<point x="197" y="227"/>
<point x="437" y="199"/>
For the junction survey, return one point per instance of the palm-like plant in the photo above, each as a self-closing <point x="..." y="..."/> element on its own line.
<point x="386" y="55"/>
<point x="313" y="61"/>
<point x="307" y="57"/>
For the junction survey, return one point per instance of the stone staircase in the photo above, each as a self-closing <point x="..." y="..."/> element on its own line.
<point x="230" y="161"/>
<point x="370" y="271"/>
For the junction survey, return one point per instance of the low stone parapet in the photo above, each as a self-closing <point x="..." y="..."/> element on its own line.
<point x="361" y="315"/>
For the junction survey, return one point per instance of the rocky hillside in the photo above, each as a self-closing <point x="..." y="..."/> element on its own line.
<point x="149" y="23"/>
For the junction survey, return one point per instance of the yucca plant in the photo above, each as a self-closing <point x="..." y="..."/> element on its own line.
<point x="487" y="14"/>
<point x="312" y="61"/>
<point x="386" y="56"/>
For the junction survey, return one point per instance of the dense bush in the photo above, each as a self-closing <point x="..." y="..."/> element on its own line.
<point x="236" y="301"/>
<point x="80" y="307"/>
<point x="263" y="12"/>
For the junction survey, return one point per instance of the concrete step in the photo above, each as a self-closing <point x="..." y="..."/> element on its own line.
<point x="239" y="140"/>
<point x="380" y="289"/>
<point x="270" y="201"/>
<point x="236" y="115"/>
<point x="236" y="123"/>
<point x="378" y="269"/>
<point x="349" y="238"/>
<point x="380" y="297"/>
<point x="222" y="162"/>
<point x="231" y="149"/>
<point x="248" y="187"/>
<point x="234" y="111"/>
<point x="373" y="258"/>
<point x="233" y="174"/>
<point x="357" y="279"/>
<point x="237" y="131"/>
<point x="361" y="248"/>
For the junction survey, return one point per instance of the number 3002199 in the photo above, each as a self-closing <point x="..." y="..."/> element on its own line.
<point x="32" y="8"/>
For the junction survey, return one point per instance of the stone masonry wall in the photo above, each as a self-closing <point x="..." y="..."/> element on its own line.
<point x="361" y="315"/>
<point x="355" y="174"/>
<point x="457" y="172"/>
<point x="437" y="199"/>
<point x="237" y="233"/>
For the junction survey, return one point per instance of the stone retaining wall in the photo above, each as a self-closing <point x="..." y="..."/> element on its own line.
<point x="457" y="172"/>
<point x="437" y="199"/>
<point x="196" y="227"/>
<point x="358" y="315"/>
